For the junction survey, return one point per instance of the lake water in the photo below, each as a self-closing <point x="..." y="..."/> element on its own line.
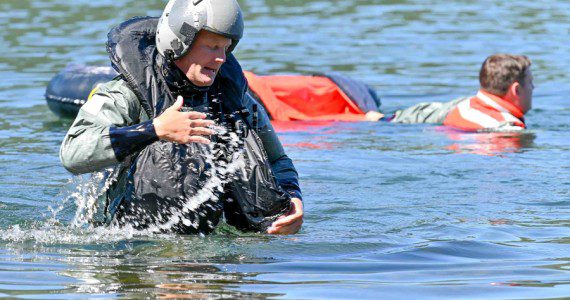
<point x="392" y="211"/>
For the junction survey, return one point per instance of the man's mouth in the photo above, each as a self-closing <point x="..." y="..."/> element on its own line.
<point x="211" y="70"/>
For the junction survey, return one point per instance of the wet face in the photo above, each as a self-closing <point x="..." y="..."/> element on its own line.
<point x="524" y="91"/>
<point x="203" y="61"/>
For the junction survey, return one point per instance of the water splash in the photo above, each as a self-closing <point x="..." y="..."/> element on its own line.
<point x="86" y="194"/>
<point x="82" y="194"/>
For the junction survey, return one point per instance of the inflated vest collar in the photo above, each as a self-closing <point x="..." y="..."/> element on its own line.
<point x="132" y="51"/>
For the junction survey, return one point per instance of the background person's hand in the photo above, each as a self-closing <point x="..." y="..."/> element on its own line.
<point x="182" y="127"/>
<point x="291" y="222"/>
<point x="374" y="116"/>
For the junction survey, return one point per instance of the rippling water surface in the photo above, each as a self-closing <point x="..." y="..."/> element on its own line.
<point x="392" y="211"/>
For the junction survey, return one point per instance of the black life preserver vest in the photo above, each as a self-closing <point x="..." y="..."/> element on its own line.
<point x="172" y="187"/>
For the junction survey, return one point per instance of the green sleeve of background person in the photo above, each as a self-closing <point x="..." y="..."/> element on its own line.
<point x="426" y="112"/>
<point x="87" y="145"/>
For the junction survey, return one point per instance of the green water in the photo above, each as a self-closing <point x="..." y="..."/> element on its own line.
<point x="392" y="211"/>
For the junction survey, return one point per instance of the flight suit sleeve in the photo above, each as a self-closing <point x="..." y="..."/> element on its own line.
<point x="104" y="130"/>
<point x="425" y="112"/>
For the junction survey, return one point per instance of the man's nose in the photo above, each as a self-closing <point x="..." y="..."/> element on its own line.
<point x="221" y="56"/>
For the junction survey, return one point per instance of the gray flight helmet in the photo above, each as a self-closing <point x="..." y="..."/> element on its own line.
<point x="183" y="19"/>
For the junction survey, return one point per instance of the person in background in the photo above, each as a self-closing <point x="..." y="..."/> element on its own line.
<point x="500" y="104"/>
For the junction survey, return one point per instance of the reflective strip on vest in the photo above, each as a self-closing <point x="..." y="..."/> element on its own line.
<point x="484" y="112"/>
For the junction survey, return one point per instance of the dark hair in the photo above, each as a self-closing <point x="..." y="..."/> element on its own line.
<point x="499" y="71"/>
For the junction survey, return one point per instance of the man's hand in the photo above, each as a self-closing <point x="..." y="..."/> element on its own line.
<point x="182" y="127"/>
<point x="374" y="116"/>
<point x="291" y="222"/>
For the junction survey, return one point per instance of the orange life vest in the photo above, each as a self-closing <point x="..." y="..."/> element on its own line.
<point x="315" y="98"/>
<point x="483" y="112"/>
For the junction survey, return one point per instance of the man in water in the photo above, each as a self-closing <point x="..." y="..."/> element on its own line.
<point x="152" y="121"/>
<point x="505" y="96"/>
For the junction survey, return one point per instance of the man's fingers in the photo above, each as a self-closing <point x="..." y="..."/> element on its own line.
<point x="201" y="131"/>
<point x="178" y="104"/>
<point x="193" y="115"/>
<point x="290" y="229"/>
<point x="296" y="213"/>
<point x="200" y="123"/>
<point x="197" y="139"/>
<point x="296" y="222"/>
<point x="287" y="220"/>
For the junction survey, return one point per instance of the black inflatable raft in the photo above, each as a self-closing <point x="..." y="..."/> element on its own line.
<point x="69" y="89"/>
